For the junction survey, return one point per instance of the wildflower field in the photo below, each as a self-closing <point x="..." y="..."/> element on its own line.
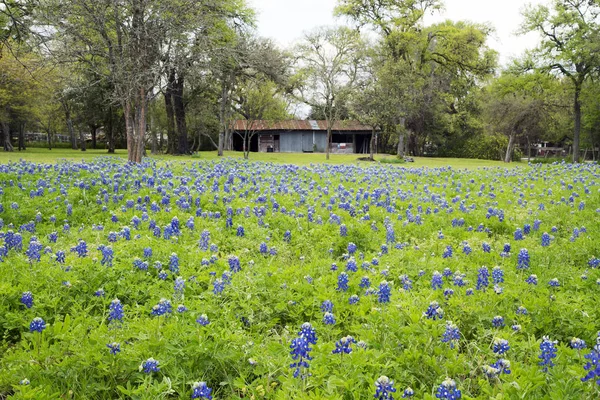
<point x="229" y="279"/>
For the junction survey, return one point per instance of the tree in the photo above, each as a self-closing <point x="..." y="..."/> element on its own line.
<point x="243" y="58"/>
<point x="570" y="46"/>
<point x="329" y="60"/>
<point x="426" y="72"/>
<point x="258" y="100"/>
<point x="124" y="39"/>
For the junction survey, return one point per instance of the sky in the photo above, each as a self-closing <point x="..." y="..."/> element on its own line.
<point x="286" y="20"/>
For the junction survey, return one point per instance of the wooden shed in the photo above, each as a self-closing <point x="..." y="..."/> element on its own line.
<point x="302" y="136"/>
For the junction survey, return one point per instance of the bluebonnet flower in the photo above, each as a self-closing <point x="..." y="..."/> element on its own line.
<point x="351" y="265"/>
<point x="448" y="252"/>
<point x="390" y="236"/>
<point x="60" y="256"/>
<point x="342" y="282"/>
<point x="501" y="346"/>
<point x="163" y="307"/>
<point x="99" y="293"/>
<point x="343" y="230"/>
<point x="203" y="320"/>
<point x="447" y="272"/>
<point x="436" y="281"/>
<point x="27" y="299"/>
<point x="149" y="366"/>
<point x="181" y="308"/>
<point x="486" y="247"/>
<point x="218" y="286"/>
<point x="112" y="237"/>
<point x="506" y="248"/>
<point x="467" y="249"/>
<point x="516" y="328"/>
<point x="501" y="366"/>
<point x="240" y="231"/>
<point x="115" y="311"/>
<point x="147" y="252"/>
<point x="451" y="334"/>
<point x="351" y="248"/>
<point x="344" y="345"/>
<point x="518" y="234"/>
<point x="434" y="311"/>
<point x="263" y="248"/>
<point x="459" y="279"/>
<point x="201" y="391"/>
<point x="408" y="393"/>
<point x="498" y="321"/>
<point x="384" y="388"/>
<point x="483" y="275"/>
<point x="497" y="275"/>
<point x="526" y="229"/>
<point x="327" y="306"/>
<point x="234" y="264"/>
<point x="521" y="310"/>
<point x="308" y="332"/>
<point x="554" y="282"/>
<point x="545" y="239"/>
<point x="365" y="282"/>
<point x="353" y="299"/>
<point x="34" y="251"/>
<point x="53" y="237"/>
<point x="577" y="343"/>
<point x="532" y="279"/>
<point x="406" y="282"/>
<point x="309" y="279"/>
<point x="548" y="349"/>
<point x="81" y="248"/>
<point x="273" y="251"/>
<point x="107" y="255"/>
<point x="37" y="325"/>
<point x="328" y="318"/>
<point x="523" y="259"/>
<point x="593" y="364"/>
<point x="448" y="390"/>
<point x="179" y="285"/>
<point x="114" y="348"/>
<point x="163" y="275"/>
<point x="174" y="263"/>
<point x="301" y="355"/>
<point x="384" y="292"/>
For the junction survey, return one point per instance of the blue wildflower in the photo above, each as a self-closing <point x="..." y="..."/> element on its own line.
<point x="37" y="325"/>
<point x="328" y="319"/>
<point x="327" y="306"/>
<point x="114" y="348"/>
<point x="384" y="388"/>
<point x="384" y="292"/>
<point x="448" y="390"/>
<point x="436" y="281"/>
<point x="115" y="311"/>
<point x="149" y="366"/>
<point x="523" y="259"/>
<point x="344" y="345"/>
<point x="434" y="311"/>
<point x="483" y="278"/>
<point x="342" y="282"/>
<point x="548" y="349"/>
<point x="201" y="391"/>
<point x="501" y="346"/>
<point x="451" y="334"/>
<point x="498" y="321"/>
<point x="27" y="299"/>
<point x="203" y="320"/>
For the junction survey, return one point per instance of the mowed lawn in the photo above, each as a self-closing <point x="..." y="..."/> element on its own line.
<point x="50" y="156"/>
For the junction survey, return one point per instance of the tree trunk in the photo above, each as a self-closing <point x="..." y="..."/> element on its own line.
<point x="93" y="130"/>
<point x="70" y="127"/>
<point x="110" y="133"/>
<point x="49" y="134"/>
<point x="244" y="138"/>
<point x="576" y="133"/>
<point x="82" y="140"/>
<point x="223" y="119"/>
<point x="22" y="136"/>
<point x="328" y="145"/>
<point x="179" y="108"/>
<point x="372" y="146"/>
<point x="6" y="136"/>
<point x="400" y="128"/>
<point x="169" y="100"/>
<point x="509" y="148"/>
<point x="154" y="145"/>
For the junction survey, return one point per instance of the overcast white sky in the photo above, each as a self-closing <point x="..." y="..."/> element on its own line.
<point x="286" y="20"/>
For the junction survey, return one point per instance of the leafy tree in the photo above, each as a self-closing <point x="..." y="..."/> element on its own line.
<point x="258" y="100"/>
<point x="329" y="60"/>
<point x="570" y="46"/>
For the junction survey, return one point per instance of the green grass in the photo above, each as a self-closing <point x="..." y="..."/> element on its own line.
<point x="50" y="156"/>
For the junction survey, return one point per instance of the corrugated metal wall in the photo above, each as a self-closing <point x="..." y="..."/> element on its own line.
<point x="291" y="142"/>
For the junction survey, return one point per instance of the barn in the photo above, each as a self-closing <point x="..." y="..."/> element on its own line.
<point x="298" y="136"/>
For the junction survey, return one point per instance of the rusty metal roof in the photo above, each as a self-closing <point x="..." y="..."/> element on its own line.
<point x="297" y="125"/>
